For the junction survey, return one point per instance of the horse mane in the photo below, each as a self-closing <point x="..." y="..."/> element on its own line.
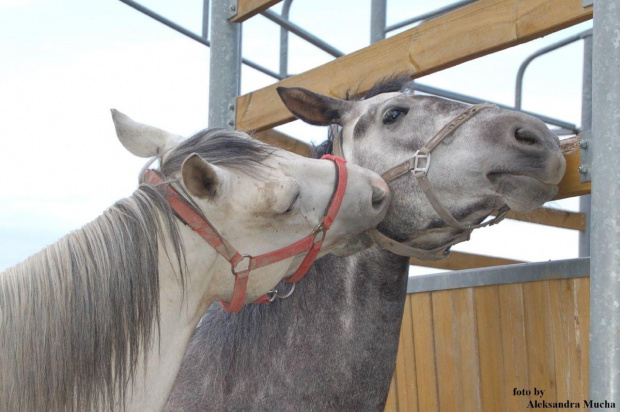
<point x="75" y="316"/>
<point x="389" y="84"/>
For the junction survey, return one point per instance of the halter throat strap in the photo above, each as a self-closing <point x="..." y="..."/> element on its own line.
<point x="242" y="264"/>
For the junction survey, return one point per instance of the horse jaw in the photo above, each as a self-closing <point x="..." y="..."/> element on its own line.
<point x="354" y="245"/>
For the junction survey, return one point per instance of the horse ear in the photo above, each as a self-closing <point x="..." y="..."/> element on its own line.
<point x="314" y="108"/>
<point x="140" y="139"/>
<point x="200" y="177"/>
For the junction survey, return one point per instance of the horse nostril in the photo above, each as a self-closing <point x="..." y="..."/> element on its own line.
<point x="525" y="137"/>
<point x="378" y="195"/>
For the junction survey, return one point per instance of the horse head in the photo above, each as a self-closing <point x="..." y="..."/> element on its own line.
<point x="493" y="159"/>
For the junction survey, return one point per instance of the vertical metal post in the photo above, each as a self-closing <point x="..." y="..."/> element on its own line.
<point x="377" y="20"/>
<point x="604" y="374"/>
<point x="586" y="124"/>
<point x="286" y="9"/>
<point x="225" y="64"/>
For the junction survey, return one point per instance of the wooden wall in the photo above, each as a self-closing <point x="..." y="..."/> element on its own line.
<point x="467" y="349"/>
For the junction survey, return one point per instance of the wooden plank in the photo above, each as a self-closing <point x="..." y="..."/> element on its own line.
<point x="581" y="287"/>
<point x="513" y="345"/>
<point x="249" y="8"/>
<point x="565" y="357"/>
<point x="446" y="351"/>
<point x="468" y="369"/>
<point x="478" y="29"/>
<point x="391" y="404"/>
<point x="570" y="185"/>
<point x="284" y="141"/>
<point x="408" y="401"/>
<point x="490" y="348"/>
<point x="399" y="377"/>
<point x="552" y="217"/>
<point x="424" y="347"/>
<point x="462" y="260"/>
<point x="539" y="339"/>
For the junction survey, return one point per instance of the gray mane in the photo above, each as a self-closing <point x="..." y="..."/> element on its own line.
<point x="75" y="316"/>
<point x="221" y="147"/>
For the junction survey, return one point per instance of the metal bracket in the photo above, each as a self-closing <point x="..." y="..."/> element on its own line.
<point x="585" y="156"/>
<point x="232" y="114"/>
<point x="232" y="8"/>
<point x="587" y="3"/>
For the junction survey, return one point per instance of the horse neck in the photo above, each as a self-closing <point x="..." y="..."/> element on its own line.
<point x="344" y="306"/>
<point x="108" y="291"/>
<point x="182" y="304"/>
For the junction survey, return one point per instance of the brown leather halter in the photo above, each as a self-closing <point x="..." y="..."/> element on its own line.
<point x="419" y="164"/>
<point x="241" y="264"/>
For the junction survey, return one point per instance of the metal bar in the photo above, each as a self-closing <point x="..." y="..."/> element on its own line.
<point x="604" y="360"/>
<point x="500" y="275"/>
<point x="194" y="36"/>
<point x="205" y="19"/>
<point x="429" y="15"/>
<point x="544" y="50"/>
<point x="286" y="10"/>
<point x="474" y="100"/>
<point x="224" y="66"/>
<point x="307" y="36"/>
<point x="167" y="22"/>
<point x="586" y="124"/>
<point x="377" y="20"/>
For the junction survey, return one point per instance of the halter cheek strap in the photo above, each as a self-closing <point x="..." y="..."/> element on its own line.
<point x="419" y="165"/>
<point x="241" y="265"/>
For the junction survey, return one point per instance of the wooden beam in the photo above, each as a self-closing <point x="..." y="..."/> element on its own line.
<point x="249" y="8"/>
<point x="571" y="185"/>
<point x="552" y="217"/>
<point x="284" y="141"/>
<point x="475" y="30"/>
<point x="461" y="260"/>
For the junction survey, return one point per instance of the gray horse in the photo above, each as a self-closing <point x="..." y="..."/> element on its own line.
<point x="332" y="346"/>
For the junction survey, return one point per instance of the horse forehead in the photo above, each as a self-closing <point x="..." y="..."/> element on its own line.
<point x="374" y="102"/>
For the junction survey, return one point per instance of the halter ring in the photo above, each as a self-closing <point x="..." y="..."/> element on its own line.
<point x="319" y="230"/>
<point x="233" y="268"/>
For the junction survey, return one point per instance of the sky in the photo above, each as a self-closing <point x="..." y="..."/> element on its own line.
<point x="66" y="63"/>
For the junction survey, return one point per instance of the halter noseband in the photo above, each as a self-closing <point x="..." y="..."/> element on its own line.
<point x="241" y="265"/>
<point x="419" y="165"/>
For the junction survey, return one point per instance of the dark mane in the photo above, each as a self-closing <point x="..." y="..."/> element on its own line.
<point x="221" y="147"/>
<point x="393" y="83"/>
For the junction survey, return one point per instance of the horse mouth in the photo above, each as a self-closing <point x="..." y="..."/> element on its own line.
<point x="522" y="193"/>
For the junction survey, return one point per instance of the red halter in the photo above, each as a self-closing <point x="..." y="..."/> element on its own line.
<point x="241" y="265"/>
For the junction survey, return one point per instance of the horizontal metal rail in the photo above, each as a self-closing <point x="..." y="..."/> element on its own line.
<point x="194" y="36"/>
<point x="474" y="100"/>
<point x="429" y="15"/>
<point x="304" y="34"/>
<point x="500" y="275"/>
<point x="544" y="50"/>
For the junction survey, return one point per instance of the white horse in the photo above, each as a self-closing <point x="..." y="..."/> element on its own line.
<point x="100" y="320"/>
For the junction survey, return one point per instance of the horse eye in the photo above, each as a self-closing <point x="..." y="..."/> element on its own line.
<point x="393" y="114"/>
<point x="292" y="204"/>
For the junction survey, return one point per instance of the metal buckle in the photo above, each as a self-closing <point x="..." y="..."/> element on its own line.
<point x="320" y="229"/>
<point x="499" y="217"/>
<point x="416" y="160"/>
<point x="233" y="268"/>
<point x="274" y="294"/>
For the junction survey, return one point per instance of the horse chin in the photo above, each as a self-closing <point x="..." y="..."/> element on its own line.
<point x="522" y="193"/>
<point x="355" y="244"/>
